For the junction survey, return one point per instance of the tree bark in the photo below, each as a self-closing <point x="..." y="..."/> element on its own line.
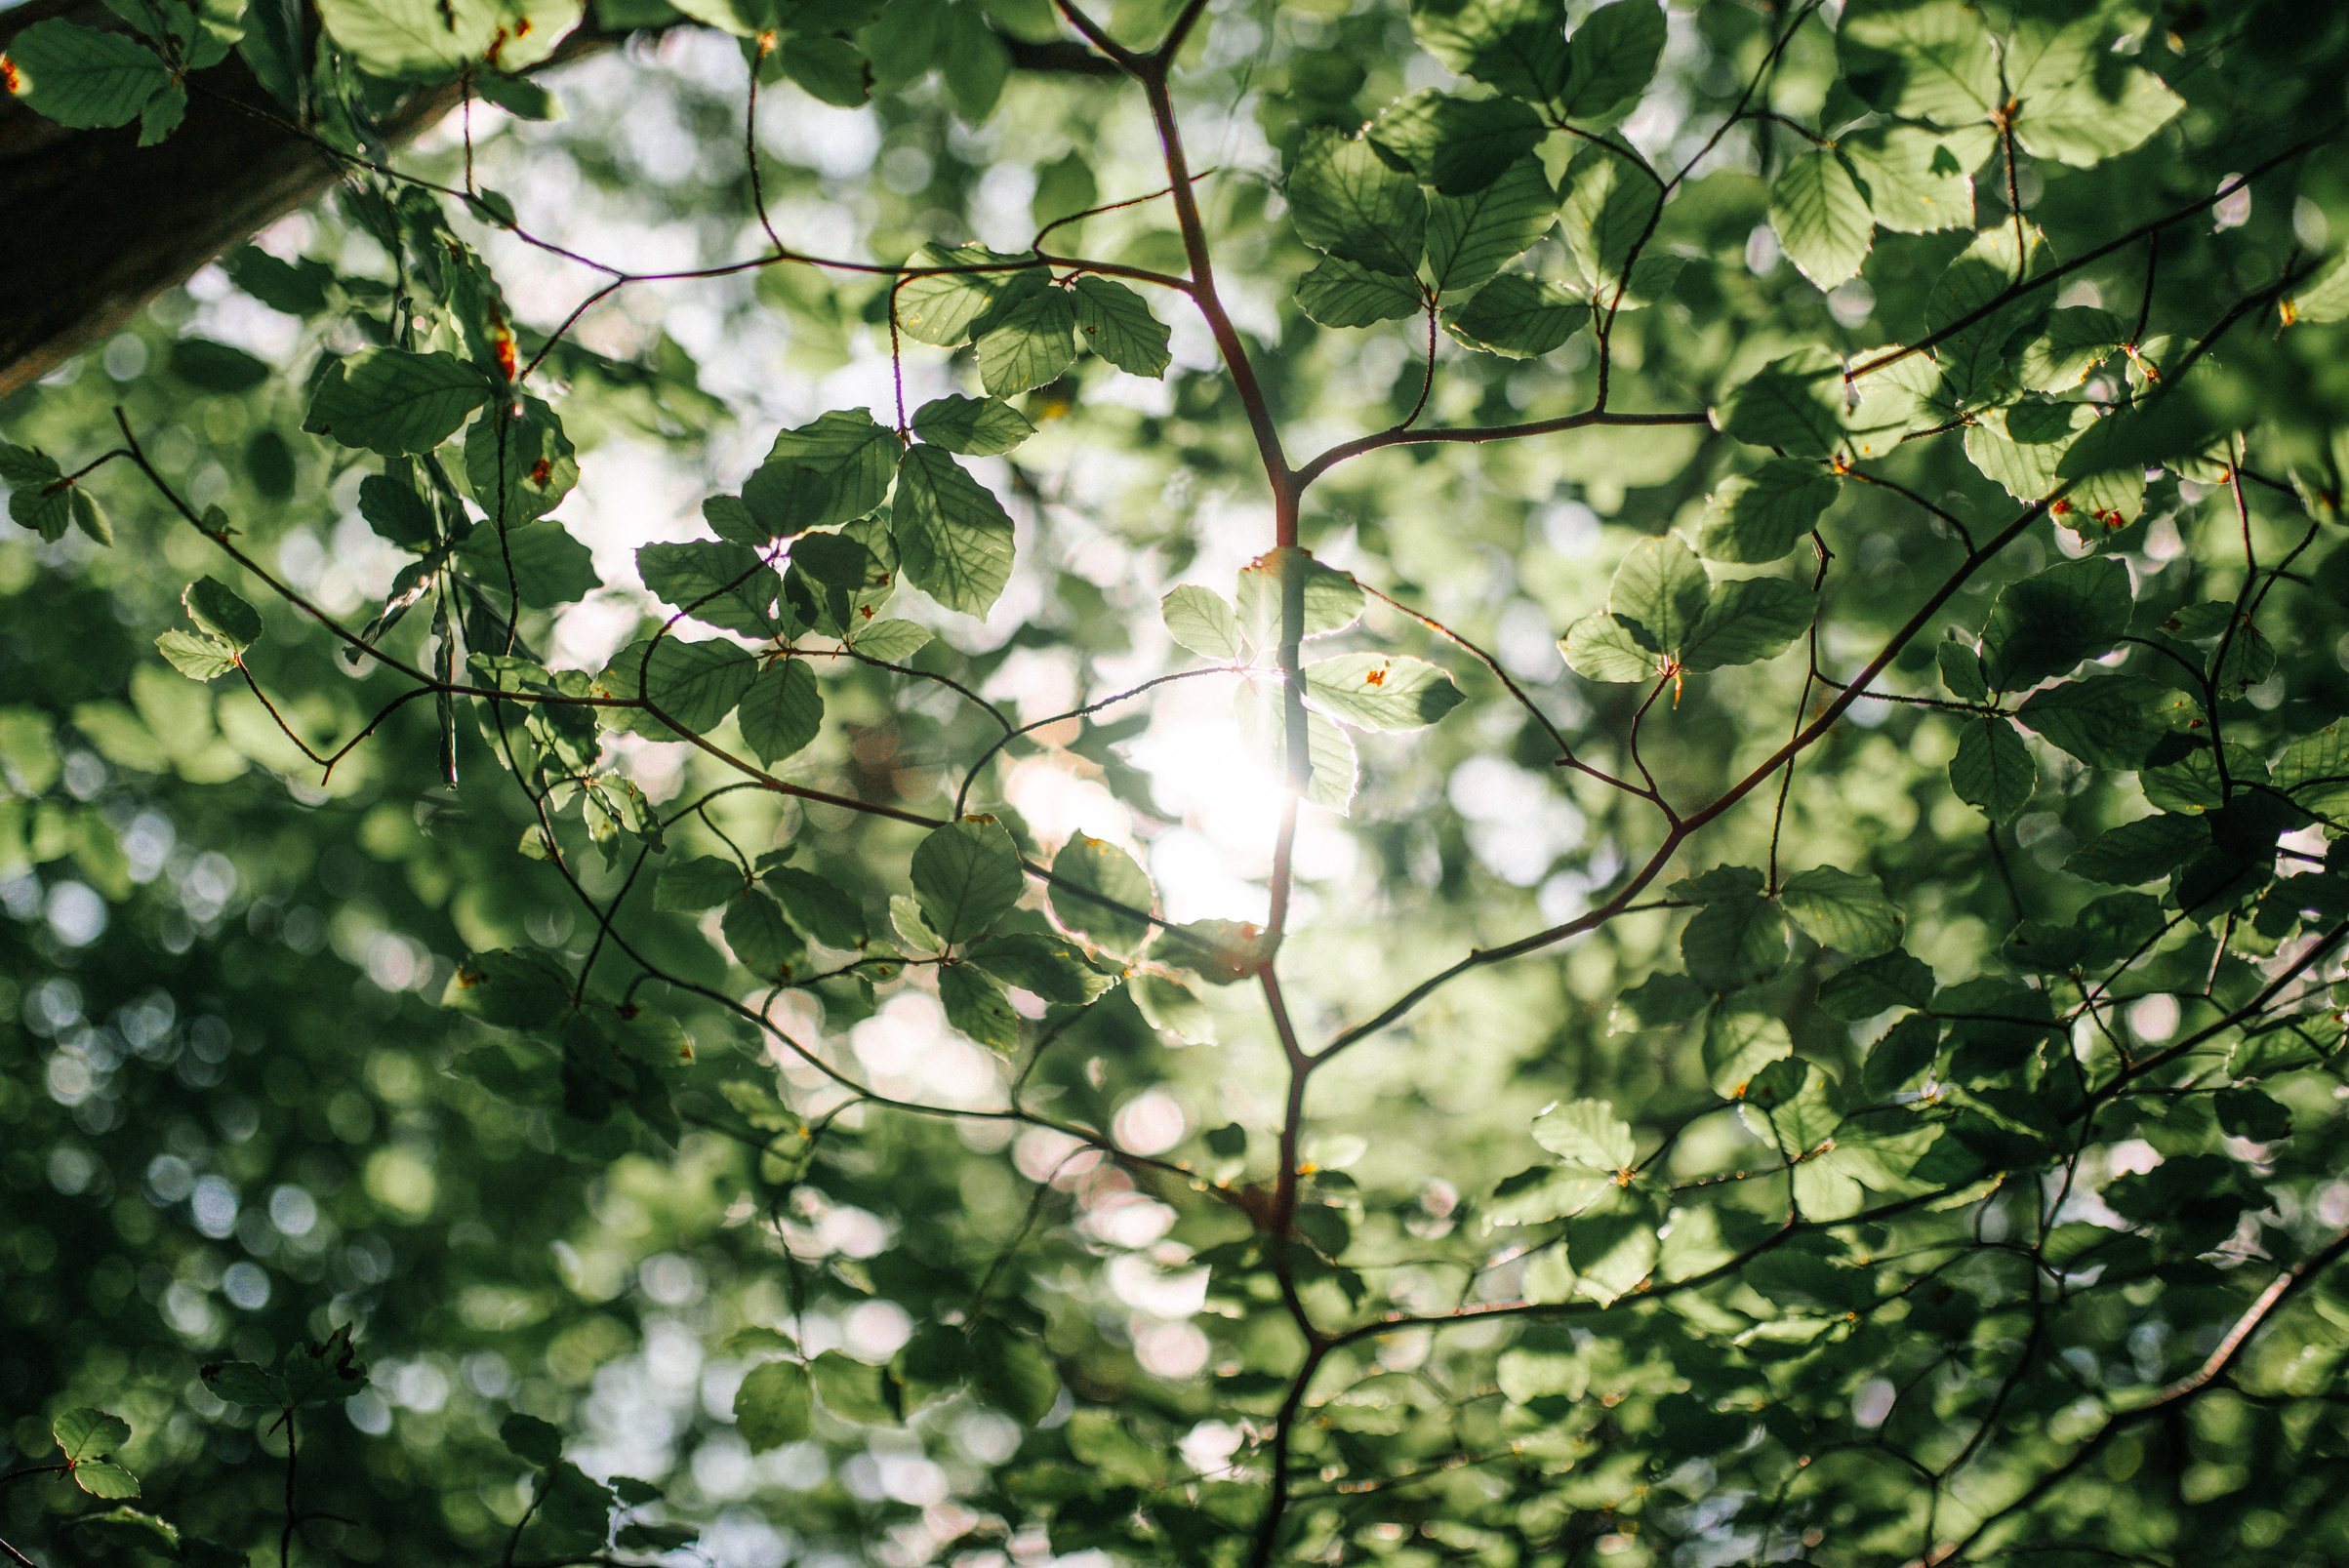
<point x="97" y="226"/>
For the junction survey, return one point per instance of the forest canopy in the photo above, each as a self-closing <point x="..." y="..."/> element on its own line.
<point x="998" y="782"/>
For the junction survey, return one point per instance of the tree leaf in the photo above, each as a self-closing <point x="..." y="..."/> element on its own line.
<point x="1119" y="325"/>
<point x="976" y="1005"/>
<point x="391" y="401"/>
<point x="1605" y="647"/>
<point x="1861" y="990"/>
<point x="1345" y="200"/>
<point x="1918" y="181"/>
<point x="1473" y="236"/>
<point x="1329" y="600"/>
<point x="1203" y="621"/>
<point x="1092" y="865"/>
<point x="976" y="426"/>
<point x="1517" y="315"/>
<point x="1928" y="61"/>
<point x="535" y="1442"/>
<point x="1051" y="967"/>
<point x="1822" y="218"/>
<point x="103" y="1479"/>
<point x="695" y="684"/>
<point x="832" y="70"/>
<point x="823" y="474"/>
<point x="966" y="874"/>
<point x="1608" y="212"/>
<point x="1661" y="586"/>
<point x="1992" y="769"/>
<point x="818" y="908"/>
<point x="85" y="1434"/>
<point x="774" y="1405"/>
<point x="762" y="942"/>
<point x="1837" y="909"/>
<point x="2077" y="101"/>
<point x="552" y="568"/>
<point x="2139" y="851"/>
<point x="1734" y="942"/>
<point x="723" y="585"/>
<point x="1614" y="54"/>
<point x="1973" y="359"/>
<point x="1587" y="1132"/>
<point x="1166" y="1003"/>
<point x="702" y="883"/>
<point x="1378" y="692"/>
<point x="1519" y="46"/>
<point x="1758" y="517"/>
<point x="2072" y="342"/>
<point x="2044" y="624"/>
<point x="1795" y="404"/>
<point x="1339" y="292"/>
<point x="82" y="77"/>
<point x="1457" y="145"/>
<point x="2114" y="722"/>
<point x="941" y="309"/>
<point x="782" y="712"/>
<point x="1748" y="620"/>
<point x="1027" y="342"/>
<point x="955" y="536"/>
<point x="215" y="607"/>
<point x="1332" y="769"/>
<point x="528" y="460"/>
<point x="1739" y="1043"/>
<point x="891" y="641"/>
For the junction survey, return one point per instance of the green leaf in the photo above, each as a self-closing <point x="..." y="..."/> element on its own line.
<point x="774" y="1405"/>
<point x="1331" y="770"/>
<point x="905" y="919"/>
<point x="941" y="309"/>
<point x="1457" y="145"/>
<point x="1961" y="670"/>
<point x="1608" y="647"/>
<point x="1012" y="1372"/>
<point x="1028" y="342"/>
<point x="1749" y="619"/>
<point x="1339" y="292"/>
<point x="1092" y="865"/>
<point x="976" y="426"/>
<point x="85" y="1434"/>
<point x="1928" y="61"/>
<point x="1377" y="692"/>
<point x="213" y="606"/>
<point x="1758" y="517"/>
<point x="1861" y="990"/>
<point x="892" y="641"/>
<point x="1722" y="882"/>
<point x="103" y="1479"/>
<point x="529" y="461"/>
<point x="394" y="510"/>
<point x="1973" y="359"/>
<point x="1906" y="1050"/>
<point x="818" y="908"/>
<point x="694" y="684"/>
<point x="393" y="402"/>
<point x="763" y="944"/>
<point x="1329" y="600"/>
<point x="2072" y="342"/>
<point x="2114" y="722"/>
<point x="1795" y="404"/>
<point x="1119" y="325"/>
<point x="1918" y="180"/>
<point x="830" y="471"/>
<point x="966" y="874"/>
<point x="1471" y="237"/>
<point x="2139" y="851"/>
<point x="217" y="367"/>
<point x="1608" y="211"/>
<point x="130" y="1530"/>
<point x="242" y="1383"/>
<point x="552" y="568"/>
<point x="1822" y="220"/>
<point x="2024" y="449"/>
<point x="723" y="585"/>
<point x="199" y="657"/>
<point x="694" y="885"/>
<point x="1614" y="54"/>
<point x="976" y="1005"/>
<point x="1992" y="769"/>
<point x="1345" y="200"/>
<point x="1738" y="1044"/>
<point x="535" y="1442"/>
<point x="2322" y="297"/>
<point x="1203" y="621"/>
<point x="1587" y="1132"/>
<point x="1517" y="315"/>
<point x="1734" y="942"/>
<point x="2046" y="625"/>
<point x="2249" y="1113"/>
<point x="1837" y="909"/>
<point x="1166" y="1003"/>
<point x="1661" y="586"/>
<point x="2077" y="101"/>
<point x="955" y="536"/>
<point x="1519" y="46"/>
<point x="1656" y="1003"/>
<point x="830" y="71"/>
<point x="782" y="712"/>
<point x="853" y="1389"/>
<point x="82" y="77"/>
<point x="1051" y="967"/>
